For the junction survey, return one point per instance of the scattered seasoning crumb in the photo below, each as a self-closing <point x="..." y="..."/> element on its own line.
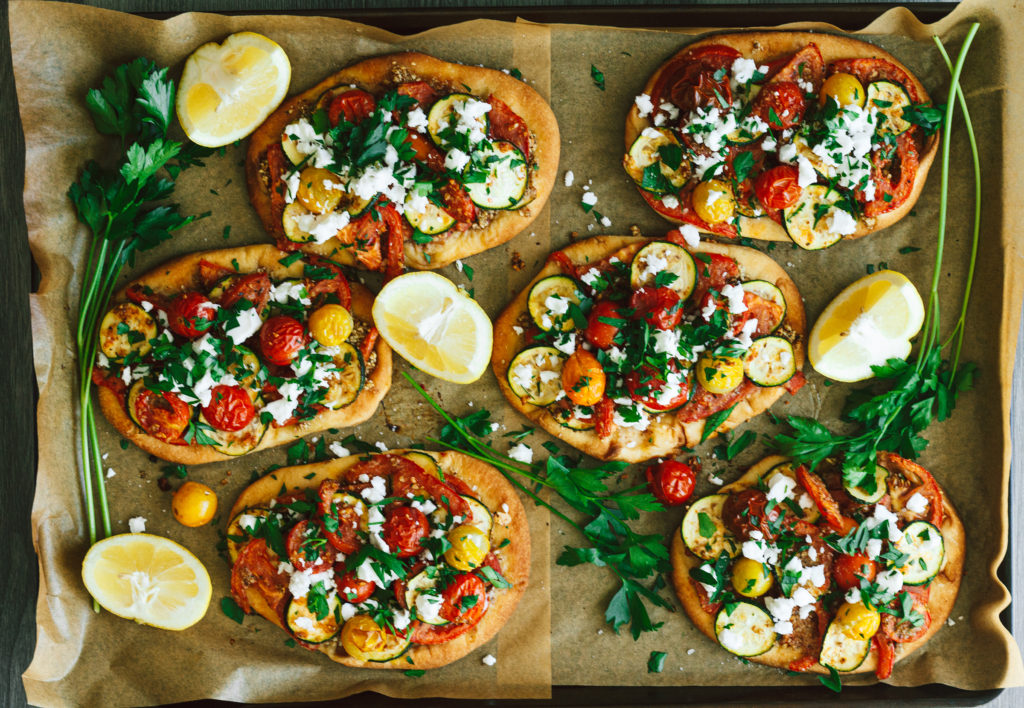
<point x="517" y="261"/>
<point x="137" y="524"/>
<point x="600" y="631"/>
<point x="950" y="622"/>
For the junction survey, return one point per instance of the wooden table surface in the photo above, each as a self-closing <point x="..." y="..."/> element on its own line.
<point x="18" y="577"/>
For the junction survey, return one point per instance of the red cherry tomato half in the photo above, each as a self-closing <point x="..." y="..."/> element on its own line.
<point x="671" y="482"/>
<point x="465" y="600"/>
<point x="230" y="408"/>
<point x="305" y="550"/>
<point x="281" y="338"/>
<point x="601" y="334"/>
<point x="659" y="306"/>
<point x="848" y="570"/>
<point x="353" y="105"/>
<point x="339" y="520"/>
<point x="403" y="530"/>
<point x="352" y="589"/>
<point x="780" y="105"/>
<point x="778" y="187"/>
<point x="646" y="384"/>
<point x="162" y="415"/>
<point x="190" y="315"/>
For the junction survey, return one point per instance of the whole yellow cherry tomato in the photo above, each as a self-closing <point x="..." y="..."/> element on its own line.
<point x="331" y="325"/>
<point x="583" y="378"/>
<point x="845" y="89"/>
<point x="857" y="620"/>
<point x="194" y="504"/>
<point x="719" y="374"/>
<point x="469" y="547"/>
<point x="319" y="190"/>
<point x="713" y="201"/>
<point x="750" y="578"/>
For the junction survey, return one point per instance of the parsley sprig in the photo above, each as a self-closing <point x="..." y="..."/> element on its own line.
<point x="122" y="209"/>
<point x="633" y="557"/>
<point x="918" y="391"/>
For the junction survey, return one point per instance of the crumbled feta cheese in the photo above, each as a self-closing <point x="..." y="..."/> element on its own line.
<point x="338" y="449"/>
<point x="569" y="177"/>
<point x="489" y="660"/>
<point x="743" y="70"/>
<point x="874" y="548"/>
<point x="735" y="293"/>
<point x="917" y="503"/>
<point x="248" y="324"/>
<point x="670" y="201"/>
<point x="690" y="235"/>
<point x="780" y="487"/>
<point x="380" y="446"/>
<point x="416" y="120"/>
<point x="456" y="160"/>
<point x="428" y="606"/>
<point x="589" y="198"/>
<point x="137" y="524"/>
<point x="890" y="580"/>
<point x="841" y="222"/>
<point x="606" y="222"/>
<point x="566" y="343"/>
<point x="247" y="522"/>
<point x="376" y="491"/>
<point x="110" y="472"/>
<point x="806" y="174"/>
<point x="284" y="408"/>
<point x="303" y="622"/>
<point x="787" y="153"/>
<point x="521" y="452"/>
<point x="644" y="105"/>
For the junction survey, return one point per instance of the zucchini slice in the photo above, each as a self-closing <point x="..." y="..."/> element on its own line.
<point x="924" y="544"/>
<point x="304" y="624"/>
<point x="745" y="631"/>
<point x="810" y="514"/>
<point x="840" y="651"/>
<point x="535" y="375"/>
<point x="767" y="291"/>
<point x="482" y="518"/>
<point x="572" y="418"/>
<point x="805" y="223"/>
<point x="747" y="131"/>
<point x="549" y="301"/>
<point x="292" y="230"/>
<point x="646" y="151"/>
<point x="662" y="256"/>
<point x="126" y="328"/>
<point x="221" y="286"/>
<point x="426" y="461"/>
<point x="348" y="380"/>
<point x="770" y="361"/>
<point x="432" y="220"/>
<point x="423" y="582"/>
<point x="803" y="149"/>
<point x="496" y="176"/>
<point x="443" y="116"/>
<point x="709" y="510"/>
<point x="291" y="150"/>
<point x="247" y="370"/>
<point x="890" y="99"/>
<point x="238" y="442"/>
<point x="868" y="496"/>
<point x="238" y="534"/>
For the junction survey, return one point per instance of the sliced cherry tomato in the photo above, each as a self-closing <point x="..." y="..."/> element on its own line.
<point x="823" y="500"/>
<point x="368" y="343"/>
<point x="599" y="332"/>
<point x="403" y="530"/>
<point x="711" y="608"/>
<point x="893" y="176"/>
<point x="564" y="262"/>
<point x="886" y="656"/>
<point x="671" y="482"/>
<point x="419" y="91"/>
<point x="352" y="589"/>
<point x="252" y="287"/>
<point x="506" y="125"/>
<point x="781" y="105"/>
<point x="408" y="477"/>
<point x="713" y="272"/>
<point x="457" y="202"/>
<point x="689" y="79"/>
<point x="162" y="414"/>
<point x="398" y="232"/>
<point x="354" y="105"/>
<point x="903" y="631"/>
<point x="796" y="383"/>
<point x="308" y="550"/>
<point x="426" y="152"/>
<point x="849" y="570"/>
<point x="257" y="567"/>
<point x="277" y="164"/>
<point x="230" y="408"/>
<point x="746" y="510"/>
<point x="767" y="313"/>
<point x="604" y="417"/>
<point x="337" y="285"/>
<point x="806" y="65"/>
<point x="464" y="601"/>
<point x="424" y="633"/>
<point x="646" y="384"/>
<point x="210" y="272"/>
<point x="281" y="338"/>
<point x="703" y="403"/>
<point x="778" y="188"/>
<point x="930" y="488"/>
<point x="659" y="306"/>
<point x="364" y="237"/>
<point x="339" y="521"/>
<point x="191" y="315"/>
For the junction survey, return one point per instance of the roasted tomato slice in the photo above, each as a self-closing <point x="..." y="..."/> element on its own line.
<point x="671" y="482"/>
<point x="252" y="287"/>
<point x="659" y="306"/>
<point x="906" y="630"/>
<point x="806" y="65"/>
<point x="604" y="417"/>
<point x="340" y="520"/>
<point x="191" y="315"/>
<point x="849" y="570"/>
<point x="230" y="408"/>
<point x="647" y="384"/>
<point x="256" y="566"/>
<point x="600" y="330"/>
<point x="713" y="272"/>
<point x="464" y="601"/>
<point x="352" y="589"/>
<point x="886" y="656"/>
<point x="689" y="81"/>
<point x="778" y="187"/>
<point x="409" y="478"/>
<point x="281" y="339"/>
<point x="826" y="504"/>
<point x="505" y="124"/>
<point x="419" y="91"/>
<point x="893" y="176"/>
<point x="161" y="414"/>
<point x="871" y="69"/>
<point x="703" y="403"/>
<point x="354" y="106"/>
<point x="746" y="511"/>
<point x="457" y="202"/>
<point x="781" y="105"/>
<point x="307" y="550"/>
<point x="404" y="529"/>
<point x="336" y="285"/>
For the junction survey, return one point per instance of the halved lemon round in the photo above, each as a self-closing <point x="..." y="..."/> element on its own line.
<point x="228" y="89"/>
<point x="434" y="326"/>
<point x="149" y="579"/>
<point x="869" y="322"/>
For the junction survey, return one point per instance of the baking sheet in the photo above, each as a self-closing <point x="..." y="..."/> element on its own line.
<point x="969" y="454"/>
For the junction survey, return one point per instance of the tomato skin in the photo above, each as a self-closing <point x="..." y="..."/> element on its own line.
<point x="457" y="202"/>
<point x="293" y="544"/>
<point x="465" y="585"/>
<point x="352" y="589"/>
<point x="714" y="273"/>
<point x="780" y="105"/>
<point x="281" y="338"/>
<point x="162" y="414"/>
<point x="604" y="417"/>
<point x="659" y="306"/>
<point x="778" y="187"/>
<point x="230" y="408"/>
<point x="893" y="178"/>
<point x="848" y="570"/>
<point x="803" y="663"/>
<point x="903" y="631"/>
<point x="688" y="81"/>
<point x="354" y="105"/>
<point x="601" y="334"/>
<point x="344" y="538"/>
<point x="190" y="315"/>
<point x="403" y="530"/>
<point x="671" y="482"/>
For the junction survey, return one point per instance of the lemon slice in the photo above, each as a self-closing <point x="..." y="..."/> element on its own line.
<point x="149" y="579"/>
<point x="869" y="322"/>
<point x="228" y="89"/>
<point x="434" y="326"/>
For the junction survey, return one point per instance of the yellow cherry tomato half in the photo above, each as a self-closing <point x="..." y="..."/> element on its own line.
<point x="845" y="89"/>
<point x="719" y="374"/>
<point x="331" y="325"/>
<point x="469" y="547"/>
<point x="361" y="637"/>
<point x="319" y="190"/>
<point x="857" y="620"/>
<point x="194" y="504"/>
<point x="713" y="201"/>
<point x="750" y="578"/>
<point x="583" y="378"/>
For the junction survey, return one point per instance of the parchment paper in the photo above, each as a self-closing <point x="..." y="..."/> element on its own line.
<point x="84" y="658"/>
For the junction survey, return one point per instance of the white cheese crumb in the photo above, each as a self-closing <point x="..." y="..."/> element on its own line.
<point x="917" y="503"/>
<point x="137" y="524"/>
<point x="521" y="452"/>
<point x="110" y="472"/>
<point x="338" y="449"/>
<point x="589" y="198"/>
<point x="489" y="660"/>
<point x="644" y="104"/>
<point x="569" y="178"/>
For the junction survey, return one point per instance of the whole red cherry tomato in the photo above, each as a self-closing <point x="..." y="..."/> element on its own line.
<point x="281" y="338"/>
<point x="848" y="570"/>
<point x="465" y="600"/>
<point x="778" y="187"/>
<point x="601" y="334"/>
<point x="671" y="482"/>
<point x="403" y="530"/>
<point x="190" y="315"/>
<point x="352" y="589"/>
<point x="659" y="306"/>
<point x="230" y="408"/>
